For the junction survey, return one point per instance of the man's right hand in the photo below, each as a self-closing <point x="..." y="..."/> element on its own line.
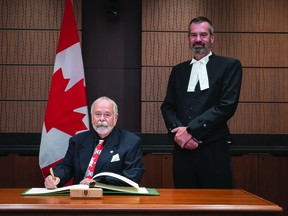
<point x="191" y="144"/>
<point x="51" y="183"/>
<point x="181" y="136"/>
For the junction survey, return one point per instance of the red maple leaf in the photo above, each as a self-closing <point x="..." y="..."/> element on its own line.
<point x="60" y="112"/>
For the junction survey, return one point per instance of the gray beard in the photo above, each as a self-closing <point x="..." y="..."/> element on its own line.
<point x="198" y="51"/>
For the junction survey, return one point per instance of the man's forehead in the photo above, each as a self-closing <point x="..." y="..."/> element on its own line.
<point x="202" y="25"/>
<point x="103" y="105"/>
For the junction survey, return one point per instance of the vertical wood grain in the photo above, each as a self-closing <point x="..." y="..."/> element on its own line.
<point x="29" y="33"/>
<point x="21" y="116"/>
<point x="226" y="15"/>
<point x="35" y="14"/>
<point x="25" y="82"/>
<point x="245" y="171"/>
<point x="154" y="83"/>
<point x="250" y="118"/>
<point x="258" y="84"/>
<point x="254" y="32"/>
<point x="264" y="85"/>
<point x="167" y="171"/>
<point x="152" y="121"/>
<point x="260" y="118"/>
<point x="153" y="166"/>
<point x="253" y="50"/>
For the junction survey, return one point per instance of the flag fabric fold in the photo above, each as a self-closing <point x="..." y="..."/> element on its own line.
<point x="66" y="112"/>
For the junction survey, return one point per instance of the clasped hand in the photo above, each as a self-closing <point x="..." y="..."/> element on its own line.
<point x="184" y="139"/>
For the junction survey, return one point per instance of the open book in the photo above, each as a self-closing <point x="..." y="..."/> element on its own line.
<point x="133" y="187"/>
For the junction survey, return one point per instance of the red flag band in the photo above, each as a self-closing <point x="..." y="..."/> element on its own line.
<point x="66" y="111"/>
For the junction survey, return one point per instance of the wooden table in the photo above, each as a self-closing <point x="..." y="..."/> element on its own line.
<point x="202" y="202"/>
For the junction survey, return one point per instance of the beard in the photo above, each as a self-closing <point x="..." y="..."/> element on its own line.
<point x="203" y="48"/>
<point x="102" y="127"/>
<point x="198" y="50"/>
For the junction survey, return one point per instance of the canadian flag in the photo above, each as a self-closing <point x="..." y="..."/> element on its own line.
<point x="66" y="111"/>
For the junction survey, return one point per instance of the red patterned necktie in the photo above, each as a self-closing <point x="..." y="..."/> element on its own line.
<point x="94" y="158"/>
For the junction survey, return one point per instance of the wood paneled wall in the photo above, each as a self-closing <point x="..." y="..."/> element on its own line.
<point x="29" y="31"/>
<point x="256" y="32"/>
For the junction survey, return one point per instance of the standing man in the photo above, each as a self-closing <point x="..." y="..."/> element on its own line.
<point x="120" y="152"/>
<point x="202" y="95"/>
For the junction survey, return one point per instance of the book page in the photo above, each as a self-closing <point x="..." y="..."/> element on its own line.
<point x="133" y="190"/>
<point x="66" y="189"/>
<point x="124" y="179"/>
<point x="35" y="191"/>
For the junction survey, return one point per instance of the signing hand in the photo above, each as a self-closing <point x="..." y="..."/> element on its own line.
<point x="51" y="183"/>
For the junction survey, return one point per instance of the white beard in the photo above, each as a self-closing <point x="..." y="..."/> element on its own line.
<point x="103" y="130"/>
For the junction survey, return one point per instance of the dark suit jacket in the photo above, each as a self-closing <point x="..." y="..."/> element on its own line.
<point x="81" y="147"/>
<point x="204" y="112"/>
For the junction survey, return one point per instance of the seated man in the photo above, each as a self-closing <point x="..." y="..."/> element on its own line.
<point x="121" y="151"/>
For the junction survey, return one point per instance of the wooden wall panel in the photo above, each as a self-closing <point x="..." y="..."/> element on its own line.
<point x="28" y="47"/>
<point x="274" y="187"/>
<point x="258" y="84"/>
<point x="264" y="85"/>
<point x="7" y="171"/>
<point x="250" y="118"/>
<point x="22" y="116"/>
<point x="245" y="171"/>
<point x="253" y="50"/>
<point x="265" y="175"/>
<point x="25" y="82"/>
<point x="29" y="32"/>
<point x="35" y="14"/>
<point x="153" y="169"/>
<point x="158" y="171"/>
<point x="154" y="83"/>
<point x="164" y="49"/>
<point x="29" y="173"/>
<point x="260" y="118"/>
<point x="151" y="118"/>
<point x="167" y="171"/>
<point x="254" y="32"/>
<point x="20" y="171"/>
<point x="226" y="15"/>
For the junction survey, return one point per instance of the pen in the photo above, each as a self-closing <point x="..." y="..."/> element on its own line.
<point x="52" y="174"/>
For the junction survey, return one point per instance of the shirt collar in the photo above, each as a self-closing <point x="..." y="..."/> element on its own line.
<point x="203" y="60"/>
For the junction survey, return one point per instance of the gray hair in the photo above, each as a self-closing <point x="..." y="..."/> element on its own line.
<point x="104" y="98"/>
<point x="201" y="19"/>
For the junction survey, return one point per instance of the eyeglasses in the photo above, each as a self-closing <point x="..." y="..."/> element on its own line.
<point x="105" y="115"/>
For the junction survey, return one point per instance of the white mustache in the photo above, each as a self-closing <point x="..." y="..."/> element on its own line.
<point x="100" y="124"/>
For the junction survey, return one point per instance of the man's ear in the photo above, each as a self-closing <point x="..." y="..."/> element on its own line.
<point x="212" y="38"/>
<point x="116" y="118"/>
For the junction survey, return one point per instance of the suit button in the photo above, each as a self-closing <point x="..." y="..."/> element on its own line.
<point x="204" y="125"/>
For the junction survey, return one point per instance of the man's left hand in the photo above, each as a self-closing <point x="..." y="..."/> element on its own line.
<point x="87" y="181"/>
